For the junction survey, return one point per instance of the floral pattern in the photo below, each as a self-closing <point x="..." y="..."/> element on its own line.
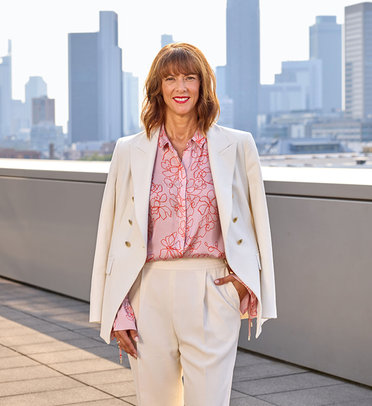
<point x="183" y="212"/>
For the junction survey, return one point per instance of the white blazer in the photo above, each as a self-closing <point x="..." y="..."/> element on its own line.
<point x="121" y="245"/>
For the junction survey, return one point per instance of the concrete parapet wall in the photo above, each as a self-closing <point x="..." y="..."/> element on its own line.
<point x="321" y="222"/>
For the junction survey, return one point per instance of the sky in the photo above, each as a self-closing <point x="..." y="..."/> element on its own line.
<point x="39" y="33"/>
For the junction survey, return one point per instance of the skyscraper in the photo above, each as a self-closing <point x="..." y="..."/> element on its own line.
<point x="297" y="87"/>
<point x="358" y="60"/>
<point x="43" y="110"/>
<point x="95" y="83"/>
<point x="35" y="87"/>
<point x="83" y="87"/>
<point x="166" y="39"/>
<point x="243" y="61"/>
<point x="130" y="103"/>
<point x="326" y="45"/>
<point x="6" y="93"/>
<point x="226" y="104"/>
<point x="110" y="100"/>
<point x="221" y="81"/>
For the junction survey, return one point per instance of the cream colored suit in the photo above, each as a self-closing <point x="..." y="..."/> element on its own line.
<point x="122" y="230"/>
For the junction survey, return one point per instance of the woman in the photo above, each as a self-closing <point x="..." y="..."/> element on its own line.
<point x="184" y="239"/>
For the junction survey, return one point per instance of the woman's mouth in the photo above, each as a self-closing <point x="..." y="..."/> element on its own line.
<point x="181" y="100"/>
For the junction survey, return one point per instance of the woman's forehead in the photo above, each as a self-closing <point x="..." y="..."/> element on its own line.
<point x="175" y="68"/>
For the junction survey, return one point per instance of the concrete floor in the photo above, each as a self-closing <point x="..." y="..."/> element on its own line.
<point x="50" y="355"/>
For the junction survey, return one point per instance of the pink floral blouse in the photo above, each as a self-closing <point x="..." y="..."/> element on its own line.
<point x="183" y="214"/>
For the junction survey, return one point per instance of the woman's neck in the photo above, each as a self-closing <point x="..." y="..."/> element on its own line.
<point x="180" y="129"/>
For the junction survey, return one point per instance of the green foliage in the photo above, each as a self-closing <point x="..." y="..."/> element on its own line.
<point x="97" y="157"/>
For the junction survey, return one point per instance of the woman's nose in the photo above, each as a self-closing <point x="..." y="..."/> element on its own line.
<point x="181" y="84"/>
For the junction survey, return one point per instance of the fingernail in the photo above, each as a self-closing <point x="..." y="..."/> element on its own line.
<point x="217" y="281"/>
<point x="136" y="339"/>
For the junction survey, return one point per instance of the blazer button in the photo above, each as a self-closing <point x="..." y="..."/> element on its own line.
<point x="127" y="243"/>
<point x="239" y="241"/>
<point x="130" y="221"/>
<point x="235" y="219"/>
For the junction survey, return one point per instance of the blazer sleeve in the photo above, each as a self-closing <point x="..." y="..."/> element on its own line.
<point x="258" y="206"/>
<point x="103" y="241"/>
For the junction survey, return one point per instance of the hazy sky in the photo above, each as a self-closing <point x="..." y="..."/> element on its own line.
<point x="38" y="30"/>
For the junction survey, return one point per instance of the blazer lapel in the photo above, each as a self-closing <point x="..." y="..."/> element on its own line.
<point x="142" y="163"/>
<point x="222" y="156"/>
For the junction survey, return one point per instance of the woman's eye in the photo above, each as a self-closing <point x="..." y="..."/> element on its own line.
<point x="190" y="78"/>
<point x="169" y="78"/>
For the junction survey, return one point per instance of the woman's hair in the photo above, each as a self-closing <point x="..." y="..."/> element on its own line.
<point x="179" y="58"/>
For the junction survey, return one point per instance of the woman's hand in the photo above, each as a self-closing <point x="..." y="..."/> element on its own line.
<point x="127" y="341"/>
<point x="242" y="291"/>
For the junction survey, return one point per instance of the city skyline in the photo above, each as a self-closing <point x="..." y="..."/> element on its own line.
<point x="43" y="52"/>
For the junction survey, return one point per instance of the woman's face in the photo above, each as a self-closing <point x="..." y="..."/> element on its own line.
<point x="181" y="93"/>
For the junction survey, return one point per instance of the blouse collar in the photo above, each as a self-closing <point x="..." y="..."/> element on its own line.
<point x="198" y="138"/>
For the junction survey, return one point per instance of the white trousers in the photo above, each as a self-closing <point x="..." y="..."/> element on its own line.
<point x="188" y="331"/>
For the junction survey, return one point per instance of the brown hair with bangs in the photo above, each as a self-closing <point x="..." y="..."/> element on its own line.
<point x="175" y="59"/>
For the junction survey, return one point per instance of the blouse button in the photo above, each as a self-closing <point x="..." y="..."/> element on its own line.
<point x="132" y="198"/>
<point x="235" y="219"/>
<point x="239" y="241"/>
<point x="130" y="221"/>
<point x="127" y="243"/>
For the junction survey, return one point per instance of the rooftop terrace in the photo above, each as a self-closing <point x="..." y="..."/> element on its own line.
<point x="321" y="222"/>
<point x="50" y="355"/>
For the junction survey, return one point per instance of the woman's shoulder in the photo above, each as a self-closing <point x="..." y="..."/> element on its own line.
<point x="123" y="144"/>
<point x="128" y="140"/>
<point x="241" y="137"/>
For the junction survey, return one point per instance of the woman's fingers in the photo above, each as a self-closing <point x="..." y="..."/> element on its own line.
<point x="242" y="291"/>
<point x="225" y="279"/>
<point x="123" y="337"/>
<point x="134" y="335"/>
<point x="238" y="285"/>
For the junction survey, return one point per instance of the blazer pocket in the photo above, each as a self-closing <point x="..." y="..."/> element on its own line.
<point x="258" y="261"/>
<point x="110" y="263"/>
